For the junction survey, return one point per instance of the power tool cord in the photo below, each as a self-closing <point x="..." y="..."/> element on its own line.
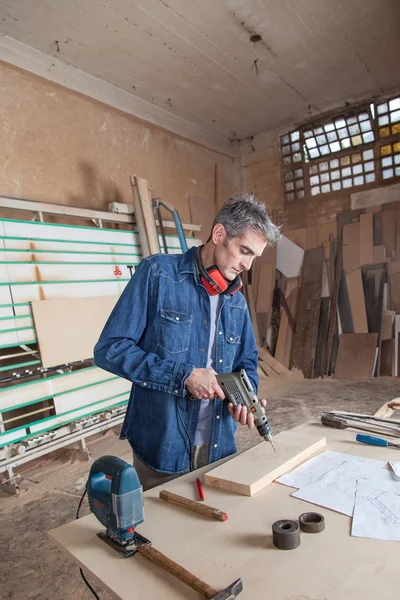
<point x="82" y="574"/>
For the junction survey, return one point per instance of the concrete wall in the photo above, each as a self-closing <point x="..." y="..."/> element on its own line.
<point x="62" y="147"/>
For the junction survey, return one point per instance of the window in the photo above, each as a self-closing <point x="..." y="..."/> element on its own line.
<point x="347" y="151"/>
<point x="338" y="134"/>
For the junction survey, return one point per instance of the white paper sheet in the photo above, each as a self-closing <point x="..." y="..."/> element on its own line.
<point x="337" y="488"/>
<point x="314" y="468"/>
<point x="377" y="509"/>
<point x="396" y="468"/>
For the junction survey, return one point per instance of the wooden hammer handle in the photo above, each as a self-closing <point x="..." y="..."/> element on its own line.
<point x="177" y="571"/>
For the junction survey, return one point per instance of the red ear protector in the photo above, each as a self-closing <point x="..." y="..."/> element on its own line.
<point x="213" y="280"/>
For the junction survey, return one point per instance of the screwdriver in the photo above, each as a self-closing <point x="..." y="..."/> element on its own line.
<point x="374" y="441"/>
<point x="330" y="420"/>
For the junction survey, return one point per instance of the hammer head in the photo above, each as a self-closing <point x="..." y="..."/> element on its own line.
<point x="230" y="592"/>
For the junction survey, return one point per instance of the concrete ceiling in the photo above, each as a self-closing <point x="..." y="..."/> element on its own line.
<point x="196" y="59"/>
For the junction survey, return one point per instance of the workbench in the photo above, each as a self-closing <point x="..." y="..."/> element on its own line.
<point x="330" y="565"/>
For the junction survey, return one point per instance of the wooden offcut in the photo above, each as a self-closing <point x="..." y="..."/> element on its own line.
<point x="305" y="337"/>
<point x="357" y="302"/>
<point x="366" y="239"/>
<point x="356" y="356"/>
<point x="68" y="329"/>
<point x="253" y="470"/>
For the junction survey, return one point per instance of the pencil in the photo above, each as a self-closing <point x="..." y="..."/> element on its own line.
<point x="200" y="488"/>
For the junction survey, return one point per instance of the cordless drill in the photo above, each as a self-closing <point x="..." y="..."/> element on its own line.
<point x="238" y="390"/>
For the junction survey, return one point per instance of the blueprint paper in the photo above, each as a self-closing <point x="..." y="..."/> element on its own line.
<point x="396" y="468"/>
<point x="314" y="468"/>
<point x="377" y="509"/>
<point x="337" y="488"/>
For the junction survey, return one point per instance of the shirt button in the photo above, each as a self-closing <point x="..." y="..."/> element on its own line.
<point x="217" y="417"/>
<point x="144" y="383"/>
<point x="231" y="339"/>
<point x="204" y="322"/>
<point x="177" y="318"/>
<point x="201" y="349"/>
<point x="220" y="360"/>
<point x="220" y="332"/>
<point x="215" y="445"/>
<point x="176" y="391"/>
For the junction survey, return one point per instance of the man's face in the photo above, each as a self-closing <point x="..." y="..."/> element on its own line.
<point x="236" y="255"/>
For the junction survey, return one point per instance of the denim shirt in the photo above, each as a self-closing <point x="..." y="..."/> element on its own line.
<point x="156" y="335"/>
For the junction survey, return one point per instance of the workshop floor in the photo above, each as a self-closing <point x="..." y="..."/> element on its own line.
<point x="33" y="569"/>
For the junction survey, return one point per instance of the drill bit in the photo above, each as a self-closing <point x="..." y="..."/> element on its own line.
<point x="268" y="438"/>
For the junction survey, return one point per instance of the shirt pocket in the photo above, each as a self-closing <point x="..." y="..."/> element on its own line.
<point x="231" y="347"/>
<point x="174" y="331"/>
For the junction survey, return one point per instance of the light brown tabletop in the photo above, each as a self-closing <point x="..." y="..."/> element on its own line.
<point x="330" y="565"/>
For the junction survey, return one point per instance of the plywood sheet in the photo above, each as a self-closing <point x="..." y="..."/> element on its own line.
<point x="357" y="302"/>
<point x="68" y="329"/>
<point x="289" y="258"/>
<point x="265" y="288"/>
<point x="366" y="239"/>
<point x="285" y="335"/>
<point x="356" y="356"/>
<point x="297" y="236"/>
<point x="251" y="471"/>
<point x="389" y="231"/>
<point x="305" y="337"/>
<point x="351" y="247"/>
<point x="202" y="211"/>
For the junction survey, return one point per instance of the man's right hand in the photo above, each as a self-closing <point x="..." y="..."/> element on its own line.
<point x="203" y="384"/>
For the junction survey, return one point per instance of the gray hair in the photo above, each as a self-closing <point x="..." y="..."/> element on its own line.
<point x="243" y="212"/>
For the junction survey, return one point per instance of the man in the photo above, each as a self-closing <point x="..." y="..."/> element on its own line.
<point x="179" y="322"/>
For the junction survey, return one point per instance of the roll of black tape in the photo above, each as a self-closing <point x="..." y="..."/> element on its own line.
<point x="312" y="522"/>
<point x="286" y="534"/>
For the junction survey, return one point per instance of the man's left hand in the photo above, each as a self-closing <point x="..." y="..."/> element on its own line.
<point x="241" y="415"/>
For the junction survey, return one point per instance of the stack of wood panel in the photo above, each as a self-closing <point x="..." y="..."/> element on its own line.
<point x="339" y="314"/>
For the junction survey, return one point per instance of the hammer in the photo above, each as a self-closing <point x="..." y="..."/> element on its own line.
<point x="229" y="593"/>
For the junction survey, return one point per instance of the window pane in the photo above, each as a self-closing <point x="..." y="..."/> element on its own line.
<point x="367" y="154"/>
<point x="296" y="157"/>
<point x="313" y="169"/>
<point x="357" y="139"/>
<point x="335" y="147"/>
<point x="387" y="161"/>
<point x="351" y="120"/>
<point x="334" y="163"/>
<point x="329" y="127"/>
<point x="357" y="169"/>
<point x="369" y="166"/>
<point x="370" y="178"/>
<point x="345" y="160"/>
<point x="359" y="180"/>
<point x="347" y="183"/>
<point x="336" y="185"/>
<point x="396" y="147"/>
<point x="324" y="150"/>
<point x="295" y="147"/>
<point x="384" y="120"/>
<point x="342" y="133"/>
<point x="368" y="137"/>
<point x="300" y="194"/>
<point x="289" y="186"/>
<point x="323" y="166"/>
<point x="321" y="139"/>
<point x="397" y="159"/>
<point x="314" y="180"/>
<point x="335" y="174"/>
<point x="356" y="158"/>
<point x="294" y="136"/>
<point x="363" y="117"/>
<point x="346" y="143"/>
<point x="340" y="123"/>
<point x="314" y="153"/>
<point x="286" y="150"/>
<point x="311" y="143"/>
<point x="284" y="140"/>
<point x="332" y="136"/>
<point x="299" y="184"/>
<point x="315" y="190"/>
<point x="394" y="104"/>
<point x="290" y="196"/>
<point x="387" y="173"/>
<point x="354" y="129"/>
<point x="288" y="175"/>
<point x="365" y="126"/>
<point x="346" y="172"/>
<point x="395" y="117"/>
<point x="318" y="131"/>
<point x="382" y="108"/>
<point x="298" y="173"/>
<point x="308" y="133"/>
<point x="324" y="177"/>
<point x="326" y="188"/>
<point x="287" y="160"/>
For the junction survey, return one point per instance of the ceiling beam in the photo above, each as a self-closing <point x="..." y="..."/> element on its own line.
<point x="27" y="58"/>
